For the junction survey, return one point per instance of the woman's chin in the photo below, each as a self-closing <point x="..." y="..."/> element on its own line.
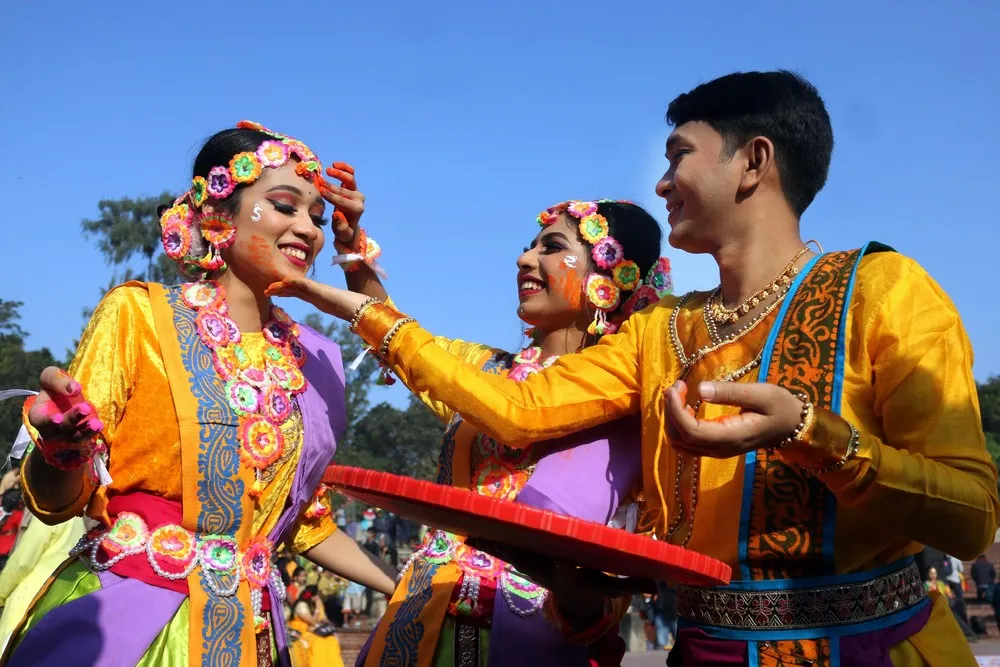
<point x="528" y="317"/>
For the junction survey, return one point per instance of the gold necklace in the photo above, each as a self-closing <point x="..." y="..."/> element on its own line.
<point x="687" y="364"/>
<point x="722" y="315"/>
<point x="716" y="297"/>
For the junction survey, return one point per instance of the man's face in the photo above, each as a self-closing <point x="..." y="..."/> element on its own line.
<point x="700" y="187"/>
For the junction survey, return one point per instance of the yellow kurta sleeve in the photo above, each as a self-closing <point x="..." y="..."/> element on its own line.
<point x="473" y="353"/>
<point x="928" y="475"/>
<point x="104" y="365"/>
<point x="580" y="390"/>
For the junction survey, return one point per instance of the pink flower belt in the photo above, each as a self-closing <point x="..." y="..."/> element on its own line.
<point x="173" y="552"/>
<point x="482" y="576"/>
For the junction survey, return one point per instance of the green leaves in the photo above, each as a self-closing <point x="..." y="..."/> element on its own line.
<point x="19" y="369"/>
<point x="128" y="230"/>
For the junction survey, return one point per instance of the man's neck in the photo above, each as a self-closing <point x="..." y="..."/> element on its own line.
<point x="748" y="263"/>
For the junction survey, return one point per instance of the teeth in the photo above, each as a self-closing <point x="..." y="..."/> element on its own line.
<point x="294" y="252"/>
<point x="531" y="285"/>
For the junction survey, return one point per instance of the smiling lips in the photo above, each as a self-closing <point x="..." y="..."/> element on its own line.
<point x="673" y="207"/>
<point x="295" y="253"/>
<point x="528" y="286"/>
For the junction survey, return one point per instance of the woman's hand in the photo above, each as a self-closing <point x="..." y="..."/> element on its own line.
<point x="348" y="203"/>
<point x="60" y="412"/>
<point x="331" y="300"/>
<point x="769" y="415"/>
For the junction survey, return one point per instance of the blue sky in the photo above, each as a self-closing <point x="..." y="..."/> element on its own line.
<point x="465" y="119"/>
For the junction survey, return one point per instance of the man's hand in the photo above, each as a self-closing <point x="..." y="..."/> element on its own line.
<point x="769" y="415"/>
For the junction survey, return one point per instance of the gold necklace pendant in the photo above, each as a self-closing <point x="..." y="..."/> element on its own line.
<point x="718" y="312"/>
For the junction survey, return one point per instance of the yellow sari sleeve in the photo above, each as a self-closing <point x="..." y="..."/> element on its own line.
<point x="581" y="390"/>
<point x="104" y="365"/>
<point x="930" y="478"/>
<point x="310" y="532"/>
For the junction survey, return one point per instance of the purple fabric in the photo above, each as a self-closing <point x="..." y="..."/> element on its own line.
<point x="324" y="420"/>
<point x="102" y="628"/>
<point x="530" y="642"/>
<point x="579" y="477"/>
<point x="366" y="648"/>
<point x="694" y="646"/>
<point x="871" y="649"/>
<point x="585" y="475"/>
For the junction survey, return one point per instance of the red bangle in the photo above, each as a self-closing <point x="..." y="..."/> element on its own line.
<point x="70" y="455"/>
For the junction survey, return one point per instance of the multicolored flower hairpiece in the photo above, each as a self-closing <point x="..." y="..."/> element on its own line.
<point x="179" y="225"/>
<point x="604" y="292"/>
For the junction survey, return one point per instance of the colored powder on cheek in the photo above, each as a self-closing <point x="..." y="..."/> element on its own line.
<point x="570" y="287"/>
<point x="262" y="256"/>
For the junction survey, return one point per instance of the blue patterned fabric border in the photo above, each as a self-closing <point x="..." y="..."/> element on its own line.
<point x="219" y="488"/>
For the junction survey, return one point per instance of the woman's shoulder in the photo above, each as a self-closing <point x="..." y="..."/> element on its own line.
<point x="133" y="293"/>
<point x="125" y="302"/>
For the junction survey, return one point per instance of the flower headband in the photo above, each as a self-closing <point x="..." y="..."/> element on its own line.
<point x="183" y="220"/>
<point x="605" y="292"/>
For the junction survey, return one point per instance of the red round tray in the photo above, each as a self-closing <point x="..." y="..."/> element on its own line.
<point x="583" y="543"/>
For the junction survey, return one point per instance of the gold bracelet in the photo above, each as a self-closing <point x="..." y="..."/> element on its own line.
<point x="359" y="313"/>
<point x="805" y="422"/>
<point x="852" y="449"/>
<point x="383" y="349"/>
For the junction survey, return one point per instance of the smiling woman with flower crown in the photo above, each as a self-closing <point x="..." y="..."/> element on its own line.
<point x="195" y="424"/>
<point x="456" y="605"/>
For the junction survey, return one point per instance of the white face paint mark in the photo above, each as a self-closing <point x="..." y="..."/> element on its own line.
<point x="569" y="261"/>
<point x="257" y="210"/>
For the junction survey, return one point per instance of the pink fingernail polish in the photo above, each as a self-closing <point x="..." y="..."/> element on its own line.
<point x="85" y="410"/>
<point x="95" y="425"/>
<point x="72" y="388"/>
<point x="56" y="419"/>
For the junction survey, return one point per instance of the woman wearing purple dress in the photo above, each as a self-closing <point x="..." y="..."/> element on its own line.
<point x="592" y="264"/>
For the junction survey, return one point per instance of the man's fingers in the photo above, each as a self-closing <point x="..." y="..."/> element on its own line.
<point x="753" y="396"/>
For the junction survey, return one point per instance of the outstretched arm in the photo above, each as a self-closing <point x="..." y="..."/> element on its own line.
<point x="346" y="558"/>
<point x="578" y="391"/>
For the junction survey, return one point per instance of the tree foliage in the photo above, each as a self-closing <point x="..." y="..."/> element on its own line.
<point x="989" y="406"/>
<point x="404" y="442"/>
<point x="19" y="369"/>
<point x="127" y="230"/>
